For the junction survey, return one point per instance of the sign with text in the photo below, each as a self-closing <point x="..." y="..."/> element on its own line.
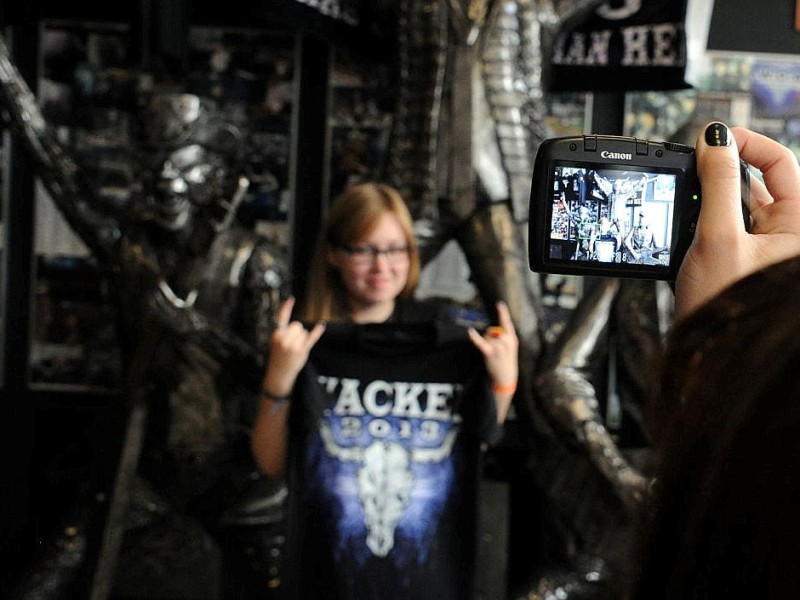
<point x="634" y="45"/>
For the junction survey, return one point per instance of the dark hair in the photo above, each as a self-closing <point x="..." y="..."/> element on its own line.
<point x="724" y="516"/>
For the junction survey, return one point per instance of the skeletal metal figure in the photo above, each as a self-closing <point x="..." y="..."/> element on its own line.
<point x="467" y="124"/>
<point x="196" y="293"/>
<point x="470" y="117"/>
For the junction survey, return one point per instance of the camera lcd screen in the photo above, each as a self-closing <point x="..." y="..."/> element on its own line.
<point x="609" y="215"/>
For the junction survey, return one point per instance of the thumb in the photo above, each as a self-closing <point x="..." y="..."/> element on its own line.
<point x="718" y="169"/>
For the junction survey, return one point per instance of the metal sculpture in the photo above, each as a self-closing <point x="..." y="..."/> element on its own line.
<point x="470" y="116"/>
<point x="196" y="297"/>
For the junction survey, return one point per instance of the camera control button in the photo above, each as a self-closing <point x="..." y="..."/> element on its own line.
<point x="673" y="147"/>
<point x="590" y="143"/>
<point x="642" y="147"/>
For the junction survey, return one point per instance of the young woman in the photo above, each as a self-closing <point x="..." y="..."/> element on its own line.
<point x="389" y="404"/>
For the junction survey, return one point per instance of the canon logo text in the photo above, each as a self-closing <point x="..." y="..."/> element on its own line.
<point x="616" y="155"/>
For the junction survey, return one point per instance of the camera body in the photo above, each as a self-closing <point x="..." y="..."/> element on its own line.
<point x="615" y="206"/>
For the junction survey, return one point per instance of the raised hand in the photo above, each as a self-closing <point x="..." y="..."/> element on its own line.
<point x="290" y="346"/>
<point x="500" y="348"/>
<point x="723" y="251"/>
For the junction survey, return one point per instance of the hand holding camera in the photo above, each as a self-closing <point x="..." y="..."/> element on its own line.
<point x="615" y="206"/>
<point x="722" y="253"/>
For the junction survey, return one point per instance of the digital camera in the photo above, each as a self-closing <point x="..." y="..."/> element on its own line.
<point x="615" y="206"/>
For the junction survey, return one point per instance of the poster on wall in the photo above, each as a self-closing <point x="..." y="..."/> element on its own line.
<point x="566" y="114"/>
<point x="775" y="90"/>
<point x="657" y="115"/>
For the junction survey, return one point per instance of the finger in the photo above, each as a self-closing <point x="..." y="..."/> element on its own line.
<point x="504" y="317"/>
<point x="285" y="312"/>
<point x="759" y="195"/>
<point x="776" y="162"/>
<point x="718" y="168"/>
<point x="314" y="335"/>
<point x="477" y="339"/>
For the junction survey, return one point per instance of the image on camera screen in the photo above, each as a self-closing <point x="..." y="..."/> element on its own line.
<point x="602" y="214"/>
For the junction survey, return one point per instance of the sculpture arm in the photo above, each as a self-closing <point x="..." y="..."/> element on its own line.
<point x="575" y="410"/>
<point x="570" y="399"/>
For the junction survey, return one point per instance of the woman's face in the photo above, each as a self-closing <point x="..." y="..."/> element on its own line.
<point x="374" y="269"/>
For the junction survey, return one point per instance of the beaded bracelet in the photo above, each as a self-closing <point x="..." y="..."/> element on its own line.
<point x="509" y="388"/>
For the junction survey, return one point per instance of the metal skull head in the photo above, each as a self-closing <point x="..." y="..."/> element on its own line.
<point x="190" y="159"/>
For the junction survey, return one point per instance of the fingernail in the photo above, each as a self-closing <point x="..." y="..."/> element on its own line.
<point x="717" y="134"/>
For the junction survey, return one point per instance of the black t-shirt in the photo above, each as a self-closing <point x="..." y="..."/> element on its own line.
<point x="385" y="434"/>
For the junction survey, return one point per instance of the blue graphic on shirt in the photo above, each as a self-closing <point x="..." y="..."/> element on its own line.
<point x="383" y="464"/>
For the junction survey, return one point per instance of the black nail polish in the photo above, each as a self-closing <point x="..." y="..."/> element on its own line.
<point x="717" y="135"/>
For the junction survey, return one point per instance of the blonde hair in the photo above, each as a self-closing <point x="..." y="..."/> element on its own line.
<point x="354" y="214"/>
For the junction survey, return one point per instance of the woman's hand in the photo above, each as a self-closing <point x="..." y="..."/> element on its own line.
<point x="288" y="352"/>
<point x="290" y="346"/>
<point x="500" y="349"/>
<point x="723" y="251"/>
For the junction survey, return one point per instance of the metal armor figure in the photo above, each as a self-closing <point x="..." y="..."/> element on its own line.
<point x="196" y="297"/>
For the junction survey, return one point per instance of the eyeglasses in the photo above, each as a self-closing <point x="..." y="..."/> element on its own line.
<point x="363" y="255"/>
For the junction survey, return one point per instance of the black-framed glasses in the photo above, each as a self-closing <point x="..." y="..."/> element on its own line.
<point x="362" y="255"/>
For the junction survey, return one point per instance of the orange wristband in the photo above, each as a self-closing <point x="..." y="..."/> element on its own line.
<point x="509" y="388"/>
